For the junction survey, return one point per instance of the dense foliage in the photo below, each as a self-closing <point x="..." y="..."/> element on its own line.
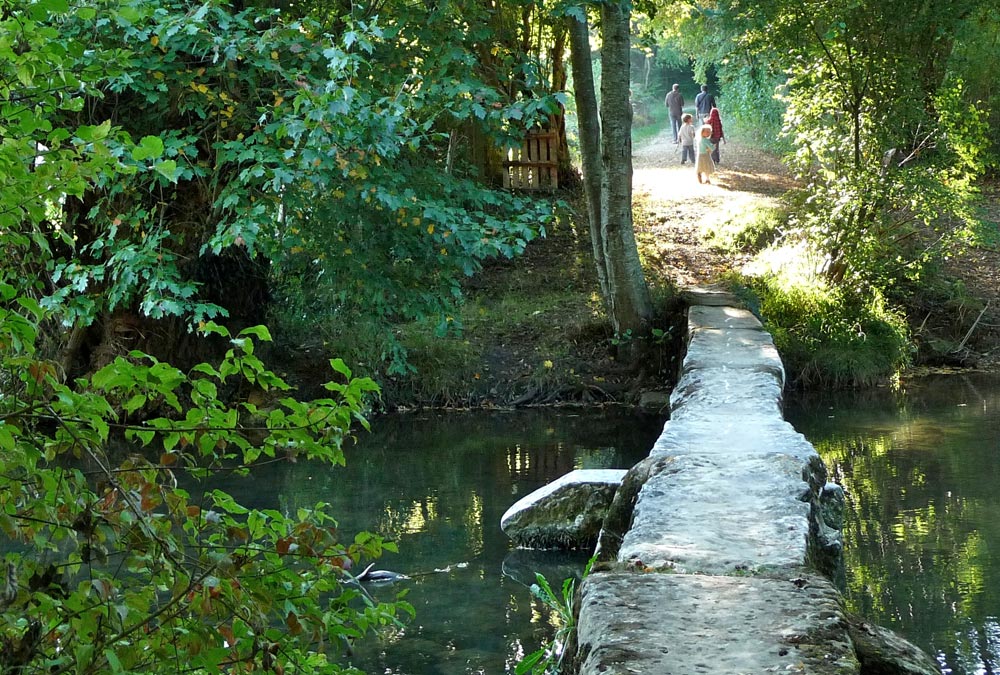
<point x="882" y="111"/>
<point x="329" y="148"/>
<point x="157" y="159"/>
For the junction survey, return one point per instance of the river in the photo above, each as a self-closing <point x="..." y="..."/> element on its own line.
<point x="438" y="484"/>
<point x="920" y="469"/>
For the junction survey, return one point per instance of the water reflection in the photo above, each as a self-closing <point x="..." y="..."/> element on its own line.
<point x="438" y="485"/>
<point x="922" y="532"/>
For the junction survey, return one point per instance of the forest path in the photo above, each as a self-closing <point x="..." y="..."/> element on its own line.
<point x="679" y="211"/>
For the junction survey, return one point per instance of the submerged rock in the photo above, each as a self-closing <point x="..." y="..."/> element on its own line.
<point x="567" y="513"/>
<point x="884" y="652"/>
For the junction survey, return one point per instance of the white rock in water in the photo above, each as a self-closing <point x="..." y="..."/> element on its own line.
<point x="567" y="513"/>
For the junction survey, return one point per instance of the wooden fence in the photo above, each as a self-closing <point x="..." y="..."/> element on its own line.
<point x="534" y="165"/>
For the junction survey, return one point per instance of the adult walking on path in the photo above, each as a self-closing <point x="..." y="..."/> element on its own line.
<point x="718" y="135"/>
<point x="703" y="103"/>
<point x="675" y="104"/>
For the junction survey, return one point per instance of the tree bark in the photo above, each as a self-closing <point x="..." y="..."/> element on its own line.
<point x="557" y="56"/>
<point x="631" y="308"/>
<point x="589" y="130"/>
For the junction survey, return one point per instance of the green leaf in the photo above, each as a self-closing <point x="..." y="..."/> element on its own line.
<point x="261" y="332"/>
<point x="210" y="327"/>
<point x="150" y="147"/>
<point x="134" y="403"/>
<point x="168" y="169"/>
<point x="339" y="366"/>
<point x="7" y="441"/>
<point x="56" y="6"/>
<point x="129" y="14"/>
<point x="116" y="665"/>
<point x="91" y="133"/>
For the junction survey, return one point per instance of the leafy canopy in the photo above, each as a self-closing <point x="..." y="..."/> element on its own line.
<point x="327" y="148"/>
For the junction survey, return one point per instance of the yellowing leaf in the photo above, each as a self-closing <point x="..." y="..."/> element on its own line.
<point x="430" y="229"/>
<point x="274" y="55"/>
<point x="155" y="40"/>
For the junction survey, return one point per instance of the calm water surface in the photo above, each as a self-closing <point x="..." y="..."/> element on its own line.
<point x="437" y="484"/>
<point x="922" y="475"/>
<point x="921" y="470"/>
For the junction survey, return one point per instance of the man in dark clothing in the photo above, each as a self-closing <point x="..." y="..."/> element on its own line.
<point x="704" y="102"/>
<point x="675" y="103"/>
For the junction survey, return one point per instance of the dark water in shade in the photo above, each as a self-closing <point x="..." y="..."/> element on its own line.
<point x="921" y="471"/>
<point x="437" y="484"/>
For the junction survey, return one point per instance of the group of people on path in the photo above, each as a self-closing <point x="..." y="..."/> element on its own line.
<point x="709" y="134"/>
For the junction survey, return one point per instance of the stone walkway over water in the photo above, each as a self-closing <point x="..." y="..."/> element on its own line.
<point x="729" y="534"/>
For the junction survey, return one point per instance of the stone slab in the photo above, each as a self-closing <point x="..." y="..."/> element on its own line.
<point x="722" y="317"/>
<point x="732" y="349"/>
<point x="677" y="624"/>
<point x="713" y="391"/>
<point x="722" y="514"/>
<point x="720" y="433"/>
<point x="700" y="295"/>
<point x="566" y="513"/>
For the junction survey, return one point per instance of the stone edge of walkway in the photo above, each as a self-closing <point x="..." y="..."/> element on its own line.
<point x="740" y="614"/>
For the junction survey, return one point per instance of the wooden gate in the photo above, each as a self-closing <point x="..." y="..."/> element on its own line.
<point x="535" y="164"/>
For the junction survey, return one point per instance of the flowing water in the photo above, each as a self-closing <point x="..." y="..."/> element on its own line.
<point x="921" y="471"/>
<point x="437" y="484"/>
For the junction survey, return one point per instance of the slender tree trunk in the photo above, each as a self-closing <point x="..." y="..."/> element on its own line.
<point x="557" y="57"/>
<point x="631" y="308"/>
<point x="589" y="129"/>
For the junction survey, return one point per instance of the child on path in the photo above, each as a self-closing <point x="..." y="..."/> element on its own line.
<point x="718" y="135"/>
<point x="686" y="136"/>
<point x="705" y="164"/>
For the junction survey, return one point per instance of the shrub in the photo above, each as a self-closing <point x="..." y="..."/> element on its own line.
<point x="830" y="336"/>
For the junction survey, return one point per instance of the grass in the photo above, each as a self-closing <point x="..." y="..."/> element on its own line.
<point x="747" y="229"/>
<point x="828" y="336"/>
<point x="650" y="124"/>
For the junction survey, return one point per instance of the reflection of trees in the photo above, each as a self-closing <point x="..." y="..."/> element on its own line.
<point x="438" y="484"/>
<point x="923" y="519"/>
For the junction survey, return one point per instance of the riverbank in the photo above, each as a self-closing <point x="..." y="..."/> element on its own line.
<point x="535" y="332"/>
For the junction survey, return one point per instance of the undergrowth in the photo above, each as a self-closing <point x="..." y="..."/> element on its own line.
<point x="830" y="336"/>
<point x="746" y="229"/>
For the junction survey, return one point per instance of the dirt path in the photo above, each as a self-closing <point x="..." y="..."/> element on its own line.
<point x="679" y="211"/>
<point x="680" y="208"/>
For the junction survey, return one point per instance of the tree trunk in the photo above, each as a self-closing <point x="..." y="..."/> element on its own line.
<point x="559" y="77"/>
<point x="631" y="308"/>
<point x="589" y="130"/>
